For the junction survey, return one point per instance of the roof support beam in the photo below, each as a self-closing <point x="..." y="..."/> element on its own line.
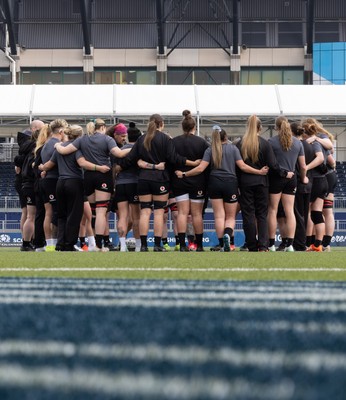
<point x="84" y="11"/>
<point x="160" y="27"/>
<point x="10" y="26"/>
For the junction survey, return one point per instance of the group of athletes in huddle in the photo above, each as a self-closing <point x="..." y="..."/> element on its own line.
<point x="69" y="180"/>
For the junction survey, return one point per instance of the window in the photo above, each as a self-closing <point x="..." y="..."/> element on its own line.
<point x="327" y="32"/>
<point x="254" y="34"/>
<point x="271" y="76"/>
<point x="5" y="77"/>
<point x="198" y="76"/>
<point x="130" y="76"/>
<point x="290" y="34"/>
<point x="51" y="77"/>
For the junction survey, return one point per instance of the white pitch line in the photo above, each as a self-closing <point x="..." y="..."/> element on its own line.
<point x="315" y="295"/>
<point x="179" y="303"/>
<point x="311" y="361"/>
<point x="138" y="385"/>
<point x="172" y="269"/>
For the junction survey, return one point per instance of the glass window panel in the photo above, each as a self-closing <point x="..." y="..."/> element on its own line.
<point x="201" y="78"/>
<point x="73" y="77"/>
<point x="31" y="77"/>
<point x="5" y="77"/>
<point x="293" y="77"/>
<point x="254" y="34"/>
<point x="272" y="77"/>
<point x="251" y="77"/>
<point x="146" y="77"/>
<point x="51" y="77"/>
<point x="179" y="77"/>
<point x="104" y="77"/>
<point x="326" y="32"/>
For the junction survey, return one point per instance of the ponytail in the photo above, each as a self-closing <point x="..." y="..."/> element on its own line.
<point x="155" y="122"/>
<point x="250" y="143"/>
<point x="217" y="137"/>
<point x="285" y="133"/>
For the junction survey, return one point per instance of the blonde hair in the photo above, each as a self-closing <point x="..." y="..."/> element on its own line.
<point x="319" y="128"/>
<point x="43" y="136"/>
<point x="310" y="129"/>
<point x="155" y="122"/>
<point x="73" y="131"/>
<point x="285" y="133"/>
<point x="217" y="137"/>
<point x="90" y="128"/>
<point x="57" y="125"/>
<point x="250" y="143"/>
<point x="99" y="123"/>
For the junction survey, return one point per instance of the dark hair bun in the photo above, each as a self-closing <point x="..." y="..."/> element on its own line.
<point x="132" y="125"/>
<point x="186" y="113"/>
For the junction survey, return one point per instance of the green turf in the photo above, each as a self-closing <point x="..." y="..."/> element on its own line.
<point x="207" y="265"/>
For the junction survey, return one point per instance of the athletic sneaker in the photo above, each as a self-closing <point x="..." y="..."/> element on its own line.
<point x="289" y="248"/>
<point x="167" y="247"/>
<point x="40" y="249"/>
<point x="232" y="247"/>
<point x="50" y="248"/>
<point x="272" y="248"/>
<point x="216" y="248"/>
<point x="144" y="248"/>
<point x="159" y="248"/>
<point x="26" y="248"/>
<point x="123" y="250"/>
<point x="110" y="246"/>
<point x="314" y="248"/>
<point x="177" y="247"/>
<point x="226" y="243"/>
<point x="85" y="247"/>
<point x="77" y="248"/>
<point x="243" y="247"/>
<point x="192" y="247"/>
<point x="183" y="248"/>
<point x="199" y="248"/>
<point x="327" y="248"/>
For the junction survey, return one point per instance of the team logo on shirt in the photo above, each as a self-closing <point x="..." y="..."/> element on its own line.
<point x="104" y="186"/>
<point x="162" y="188"/>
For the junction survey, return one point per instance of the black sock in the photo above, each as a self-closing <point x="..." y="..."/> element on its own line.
<point x="106" y="239"/>
<point x="199" y="239"/>
<point x="221" y="242"/>
<point x="26" y="243"/>
<point x="284" y="242"/>
<point x="228" y="231"/>
<point x="144" y="241"/>
<point x="289" y="242"/>
<point x="82" y="241"/>
<point x="308" y="241"/>
<point x="326" y="240"/>
<point x="177" y="241"/>
<point x="271" y="242"/>
<point x="157" y="241"/>
<point x="190" y="238"/>
<point x="317" y="243"/>
<point x="98" y="240"/>
<point x="182" y="239"/>
<point x="164" y="241"/>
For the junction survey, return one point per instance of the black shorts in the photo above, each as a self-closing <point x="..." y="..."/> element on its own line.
<point x="126" y="192"/>
<point x="49" y="190"/>
<point x="195" y="192"/>
<point x="332" y="181"/>
<point x="28" y="194"/>
<point x="95" y="180"/>
<point x="152" y="187"/>
<point x="223" y="188"/>
<point x="283" y="185"/>
<point x="19" y="190"/>
<point x="319" y="189"/>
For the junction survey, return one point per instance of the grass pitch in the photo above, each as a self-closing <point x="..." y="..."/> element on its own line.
<point x="174" y="265"/>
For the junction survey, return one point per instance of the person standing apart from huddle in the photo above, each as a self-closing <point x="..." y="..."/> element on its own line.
<point x="98" y="186"/>
<point x="151" y="149"/>
<point x="190" y="192"/>
<point x="223" y="157"/>
<point x="288" y="151"/>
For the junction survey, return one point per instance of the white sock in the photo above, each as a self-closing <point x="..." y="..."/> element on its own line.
<point x="122" y="241"/>
<point x="91" y="241"/>
<point x="50" y="242"/>
<point x="138" y="244"/>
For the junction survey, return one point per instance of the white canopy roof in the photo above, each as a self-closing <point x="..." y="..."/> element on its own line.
<point x="143" y="100"/>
